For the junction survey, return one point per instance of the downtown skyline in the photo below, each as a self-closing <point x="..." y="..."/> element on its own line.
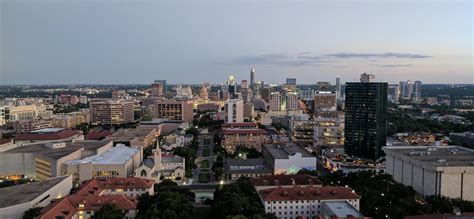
<point x="119" y="42"/>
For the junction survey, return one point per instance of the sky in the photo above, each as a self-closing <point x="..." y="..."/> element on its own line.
<point x="138" y="41"/>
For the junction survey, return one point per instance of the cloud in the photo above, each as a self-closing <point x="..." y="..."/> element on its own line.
<point x="288" y="59"/>
<point x="377" y="55"/>
<point x="394" y="65"/>
<point x="308" y="58"/>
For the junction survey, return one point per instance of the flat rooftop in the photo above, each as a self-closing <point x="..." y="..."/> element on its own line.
<point x="437" y="156"/>
<point x="252" y="165"/>
<point x="19" y="194"/>
<point x="42" y="150"/>
<point x="342" y="209"/>
<point x="119" y="154"/>
<point x="283" y="151"/>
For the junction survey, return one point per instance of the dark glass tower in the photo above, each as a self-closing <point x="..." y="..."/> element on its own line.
<point x="365" y="119"/>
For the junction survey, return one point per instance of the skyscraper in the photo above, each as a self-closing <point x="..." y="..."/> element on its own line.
<point x="291" y="81"/>
<point x="338" y="88"/>
<point x="366" y="119"/>
<point x="366" y="78"/>
<point x="232" y="85"/>
<point x="252" y="82"/>
<point x="417" y="91"/>
<point x="284" y="100"/>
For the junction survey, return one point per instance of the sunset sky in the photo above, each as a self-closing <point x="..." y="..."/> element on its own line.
<point x="137" y="41"/>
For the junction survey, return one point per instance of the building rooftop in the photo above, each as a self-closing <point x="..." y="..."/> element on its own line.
<point x="254" y="165"/>
<point x="286" y="180"/>
<point x="48" y="136"/>
<point x="47" y="151"/>
<point x="119" y="154"/>
<point x="127" y="135"/>
<point x="19" y="194"/>
<point x="342" y="209"/>
<point x="435" y="156"/>
<point x="239" y="124"/>
<point x="307" y="193"/>
<point x="95" y="186"/>
<point x="283" y="151"/>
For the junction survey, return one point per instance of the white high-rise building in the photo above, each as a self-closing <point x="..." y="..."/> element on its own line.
<point x="367" y="78"/>
<point x="234" y="110"/>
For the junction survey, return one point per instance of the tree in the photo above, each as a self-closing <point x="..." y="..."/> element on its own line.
<point x="108" y="211"/>
<point x="32" y="213"/>
<point x="169" y="201"/>
<point x="189" y="156"/>
<point x="239" y="198"/>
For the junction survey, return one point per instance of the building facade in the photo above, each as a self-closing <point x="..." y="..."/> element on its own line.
<point x="365" y="119"/>
<point x="176" y="110"/>
<point x="111" y="112"/>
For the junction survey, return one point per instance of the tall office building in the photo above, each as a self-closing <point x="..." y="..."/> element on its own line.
<point x="111" y="111"/>
<point x="157" y="89"/>
<point x="252" y="82"/>
<point x="325" y="104"/>
<point x="365" y="119"/>
<point x="338" y="88"/>
<point x="366" y="78"/>
<point x="323" y="85"/>
<point x="417" y="91"/>
<point x="234" y="110"/>
<point x="232" y="86"/>
<point x="283" y="100"/>
<point x="176" y="110"/>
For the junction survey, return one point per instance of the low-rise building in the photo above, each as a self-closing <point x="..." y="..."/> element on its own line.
<point x="29" y="125"/>
<point x="138" y="137"/>
<point x="162" y="166"/>
<point x="306" y="202"/>
<point x="252" y="167"/>
<point x="15" y="200"/>
<point x="93" y="194"/>
<point x="44" y="160"/>
<point x="71" y="120"/>
<point x="288" y="158"/>
<point x="445" y="170"/>
<point x="49" y="135"/>
<point x="119" y="161"/>
<point x="250" y="138"/>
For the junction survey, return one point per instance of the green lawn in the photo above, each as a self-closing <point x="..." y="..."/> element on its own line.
<point x="206" y="152"/>
<point x="204" y="178"/>
<point x="205" y="164"/>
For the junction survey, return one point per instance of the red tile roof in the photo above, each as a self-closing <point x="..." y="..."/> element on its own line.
<point x="95" y="186"/>
<point x="89" y="194"/>
<point x="307" y="193"/>
<point x="244" y="132"/>
<point x="69" y="205"/>
<point x="286" y="180"/>
<point x="48" y="136"/>
<point x="97" y="135"/>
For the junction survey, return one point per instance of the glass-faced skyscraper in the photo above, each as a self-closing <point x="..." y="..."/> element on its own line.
<point x="365" y="119"/>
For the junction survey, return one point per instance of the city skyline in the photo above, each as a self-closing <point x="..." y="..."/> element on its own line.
<point x="120" y="42"/>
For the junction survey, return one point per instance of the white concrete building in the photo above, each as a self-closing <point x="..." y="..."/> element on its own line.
<point x="15" y="200"/>
<point x="443" y="170"/>
<point x="119" y="161"/>
<point x="288" y="158"/>
<point x="305" y="202"/>
<point x="234" y="110"/>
